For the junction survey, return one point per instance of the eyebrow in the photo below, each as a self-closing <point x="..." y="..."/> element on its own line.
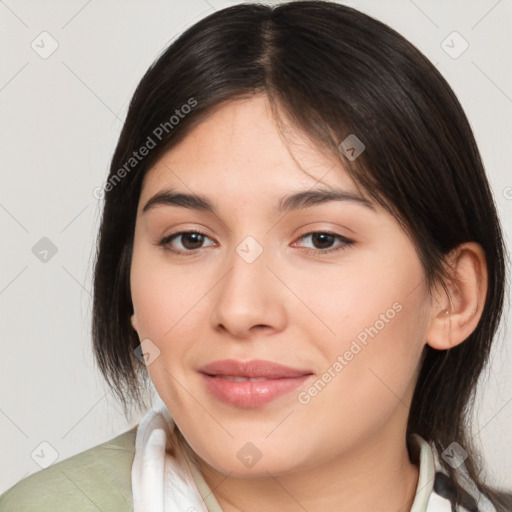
<point x="287" y="203"/>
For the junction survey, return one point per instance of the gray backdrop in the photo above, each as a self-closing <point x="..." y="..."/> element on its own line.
<point x="68" y="70"/>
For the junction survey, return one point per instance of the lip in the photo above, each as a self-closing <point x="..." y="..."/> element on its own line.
<point x="274" y="380"/>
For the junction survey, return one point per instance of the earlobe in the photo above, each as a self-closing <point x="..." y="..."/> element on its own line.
<point x="132" y="321"/>
<point x="455" y="316"/>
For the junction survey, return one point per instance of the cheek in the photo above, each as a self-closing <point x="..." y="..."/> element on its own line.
<point x="172" y="310"/>
<point x="376" y="318"/>
<point x="372" y="366"/>
<point x="349" y="301"/>
<point x="163" y="300"/>
<point x="160" y="292"/>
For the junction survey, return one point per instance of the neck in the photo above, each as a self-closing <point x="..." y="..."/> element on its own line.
<point x="377" y="474"/>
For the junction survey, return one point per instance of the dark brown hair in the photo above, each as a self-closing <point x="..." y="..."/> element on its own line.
<point x="334" y="71"/>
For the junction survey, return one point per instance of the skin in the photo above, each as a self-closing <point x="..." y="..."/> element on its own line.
<point x="289" y="306"/>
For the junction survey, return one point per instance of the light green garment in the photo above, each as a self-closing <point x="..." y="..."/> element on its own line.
<point x="99" y="479"/>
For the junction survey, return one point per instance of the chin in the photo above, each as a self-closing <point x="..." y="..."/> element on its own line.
<point x="248" y="461"/>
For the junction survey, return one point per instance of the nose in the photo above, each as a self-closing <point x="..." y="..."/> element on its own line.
<point x="250" y="298"/>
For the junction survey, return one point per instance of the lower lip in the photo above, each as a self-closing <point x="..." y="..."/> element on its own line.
<point x="251" y="393"/>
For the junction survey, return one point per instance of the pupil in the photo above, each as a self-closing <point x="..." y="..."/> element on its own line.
<point x="198" y="240"/>
<point x="323" y="237"/>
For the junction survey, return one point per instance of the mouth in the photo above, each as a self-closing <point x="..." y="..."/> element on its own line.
<point x="251" y="384"/>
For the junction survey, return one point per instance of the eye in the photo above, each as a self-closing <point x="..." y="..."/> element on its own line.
<point x="324" y="240"/>
<point x="190" y="241"/>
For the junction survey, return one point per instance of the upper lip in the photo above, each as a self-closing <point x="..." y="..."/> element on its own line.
<point x="256" y="368"/>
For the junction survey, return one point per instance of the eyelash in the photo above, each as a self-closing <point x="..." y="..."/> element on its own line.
<point x="164" y="243"/>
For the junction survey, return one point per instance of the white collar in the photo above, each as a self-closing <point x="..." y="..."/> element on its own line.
<point x="164" y="479"/>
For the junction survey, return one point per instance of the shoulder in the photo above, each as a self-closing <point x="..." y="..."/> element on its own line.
<point x="96" y="479"/>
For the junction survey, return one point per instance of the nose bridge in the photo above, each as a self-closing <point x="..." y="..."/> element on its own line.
<point x="248" y="294"/>
<point x="248" y="274"/>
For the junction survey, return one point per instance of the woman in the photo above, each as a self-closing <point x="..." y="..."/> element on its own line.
<point x="300" y="251"/>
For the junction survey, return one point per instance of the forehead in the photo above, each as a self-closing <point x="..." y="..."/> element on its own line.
<point x="239" y="151"/>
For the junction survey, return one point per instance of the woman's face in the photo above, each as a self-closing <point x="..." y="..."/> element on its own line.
<point x="332" y="289"/>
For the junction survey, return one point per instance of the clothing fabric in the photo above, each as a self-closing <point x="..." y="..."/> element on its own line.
<point x="96" y="479"/>
<point x="164" y="480"/>
<point x="109" y="476"/>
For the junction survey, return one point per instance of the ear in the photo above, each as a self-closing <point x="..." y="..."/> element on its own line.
<point x="132" y="321"/>
<point x="455" y="316"/>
